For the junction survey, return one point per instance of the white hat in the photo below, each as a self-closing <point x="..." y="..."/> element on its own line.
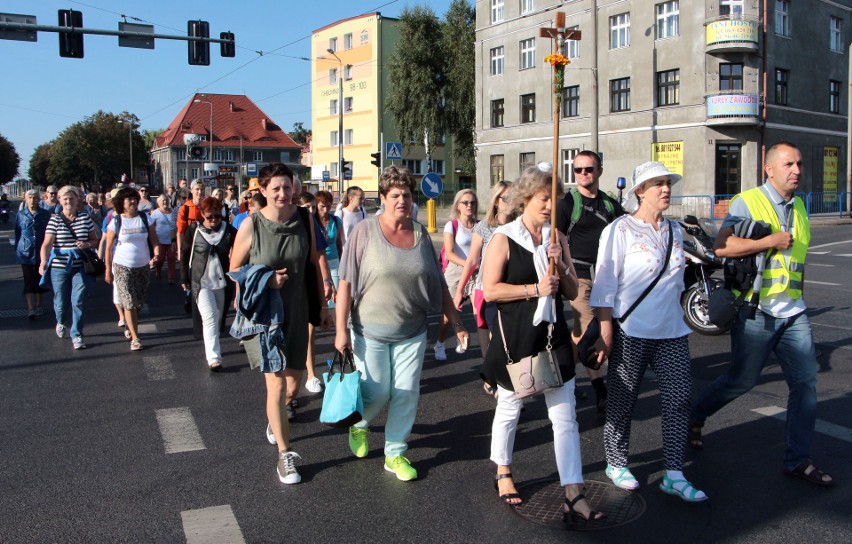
<point x="646" y="172"/>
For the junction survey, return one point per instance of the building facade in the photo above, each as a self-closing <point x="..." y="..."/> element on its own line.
<point x="357" y="49"/>
<point x="241" y="135"/>
<point x="702" y="85"/>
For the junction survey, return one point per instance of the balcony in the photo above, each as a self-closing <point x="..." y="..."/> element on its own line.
<point x="726" y="35"/>
<point x="733" y="109"/>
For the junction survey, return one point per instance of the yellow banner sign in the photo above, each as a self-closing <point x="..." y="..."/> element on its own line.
<point x="670" y="154"/>
<point x="731" y="30"/>
<point x="829" y="169"/>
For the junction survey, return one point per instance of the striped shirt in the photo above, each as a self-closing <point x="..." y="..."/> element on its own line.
<point x="64" y="239"/>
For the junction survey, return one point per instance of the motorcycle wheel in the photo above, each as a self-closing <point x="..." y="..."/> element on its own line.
<point x="694" y="305"/>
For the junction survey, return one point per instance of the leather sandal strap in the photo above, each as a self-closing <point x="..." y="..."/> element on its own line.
<point x="575" y="500"/>
<point x="501" y="476"/>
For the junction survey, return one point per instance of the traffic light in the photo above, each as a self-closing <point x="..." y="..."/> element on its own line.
<point x="199" y="51"/>
<point x="70" y="44"/>
<point x="347" y="169"/>
<point x="377" y="159"/>
<point x="227" y="49"/>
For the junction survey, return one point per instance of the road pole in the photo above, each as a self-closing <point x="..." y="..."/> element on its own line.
<point x="432" y="221"/>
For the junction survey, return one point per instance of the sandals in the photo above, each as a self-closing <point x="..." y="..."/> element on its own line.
<point x="809" y="473"/>
<point x="693" y="435"/>
<point x="622" y="478"/>
<point x="570" y="515"/>
<point x="215" y="366"/>
<point x="135" y="345"/>
<point x="508" y="498"/>
<point x="687" y="492"/>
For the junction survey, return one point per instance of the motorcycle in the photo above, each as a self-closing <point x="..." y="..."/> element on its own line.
<point x="701" y="263"/>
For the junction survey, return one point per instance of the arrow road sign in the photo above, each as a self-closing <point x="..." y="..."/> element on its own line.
<point x="393" y="151"/>
<point x="431" y="185"/>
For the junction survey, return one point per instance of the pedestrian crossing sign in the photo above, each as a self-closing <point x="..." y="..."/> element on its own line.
<point x="393" y="150"/>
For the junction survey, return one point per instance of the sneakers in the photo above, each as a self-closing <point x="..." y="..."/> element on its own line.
<point x="291" y="411"/>
<point x="269" y="436"/>
<point x="622" y="477"/>
<point x="440" y="351"/>
<point x="31" y="315"/>
<point x="60" y="330"/>
<point x="400" y="466"/>
<point x="358" y="442"/>
<point x="287" y="467"/>
<point x="314" y="385"/>
<point x="78" y="342"/>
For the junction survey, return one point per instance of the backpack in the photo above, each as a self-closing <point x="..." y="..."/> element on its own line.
<point x="444" y="261"/>
<point x="577" y="210"/>
<point x="117" y="218"/>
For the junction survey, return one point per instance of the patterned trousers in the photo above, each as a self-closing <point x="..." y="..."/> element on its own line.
<point x="669" y="359"/>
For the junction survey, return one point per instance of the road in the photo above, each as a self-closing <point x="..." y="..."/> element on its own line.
<point x="108" y="445"/>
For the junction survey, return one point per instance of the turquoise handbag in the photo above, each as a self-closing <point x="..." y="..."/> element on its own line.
<point x="342" y="404"/>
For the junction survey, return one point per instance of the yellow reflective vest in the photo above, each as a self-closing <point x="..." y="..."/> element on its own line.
<point x="778" y="274"/>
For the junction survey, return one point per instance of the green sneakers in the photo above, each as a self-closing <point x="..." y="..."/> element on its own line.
<point x="358" y="441"/>
<point x="400" y="466"/>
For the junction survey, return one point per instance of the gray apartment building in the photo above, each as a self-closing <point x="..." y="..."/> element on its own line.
<point x="702" y="85"/>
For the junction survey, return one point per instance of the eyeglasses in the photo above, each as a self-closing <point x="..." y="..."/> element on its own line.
<point x="212" y="217"/>
<point x="505" y="198"/>
<point x="467" y="202"/>
<point x="586" y="169"/>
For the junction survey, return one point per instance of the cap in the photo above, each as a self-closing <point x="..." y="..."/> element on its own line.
<point x="254" y="185"/>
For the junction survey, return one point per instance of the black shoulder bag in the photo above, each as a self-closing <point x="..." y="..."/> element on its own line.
<point x="93" y="265"/>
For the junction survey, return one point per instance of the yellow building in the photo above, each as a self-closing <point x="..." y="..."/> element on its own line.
<point x="358" y="48"/>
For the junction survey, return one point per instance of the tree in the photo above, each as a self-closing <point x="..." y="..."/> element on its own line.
<point x="416" y="77"/>
<point x="39" y="163"/>
<point x="9" y="161"/>
<point x="300" y="133"/>
<point x="457" y="46"/>
<point x="150" y="137"/>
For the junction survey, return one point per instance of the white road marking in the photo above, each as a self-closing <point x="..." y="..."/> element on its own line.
<point x="158" y="368"/>
<point x="843" y="254"/>
<point x="831" y="429"/>
<point x="147" y="328"/>
<point x="830" y="244"/>
<point x="822" y="282"/>
<point x="820" y="264"/>
<point x="179" y="431"/>
<point x="818" y="252"/>
<point x="216" y="524"/>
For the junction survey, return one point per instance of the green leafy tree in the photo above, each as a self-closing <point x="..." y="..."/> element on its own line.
<point x="9" y="160"/>
<point x="39" y="163"/>
<point x="300" y="133"/>
<point x="457" y="46"/>
<point x="417" y="77"/>
<point x="150" y="137"/>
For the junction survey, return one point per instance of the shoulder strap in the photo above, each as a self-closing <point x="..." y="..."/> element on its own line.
<point x="455" y="223"/>
<point x="575" y="209"/>
<point x="608" y="203"/>
<point x="116" y="217"/>
<point x="68" y="225"/>
<point x="660" y="275"/>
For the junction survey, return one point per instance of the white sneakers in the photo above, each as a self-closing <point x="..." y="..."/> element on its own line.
<point x="440" y="351"/>
<point x="314" y="385"/>
<point x="60" y="330"/>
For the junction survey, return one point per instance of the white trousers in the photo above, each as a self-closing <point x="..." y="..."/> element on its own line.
<point x="561" y="406"/>
<point x="210" y="303"/>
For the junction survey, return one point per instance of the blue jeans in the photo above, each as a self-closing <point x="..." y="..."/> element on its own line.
<point x="751" y="343"/>
<point x="69" y="290"/>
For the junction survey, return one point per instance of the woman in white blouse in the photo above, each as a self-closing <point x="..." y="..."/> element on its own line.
<point x="632" y="253"/>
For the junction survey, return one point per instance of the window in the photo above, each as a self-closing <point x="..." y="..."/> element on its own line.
<point x="347" y="41"/>
<point x="668" y="20"/>
<point x="332" y="169"/>
<point x="781" y="77"/>
<point x="497" y="110"/>
<point x="568" y="156"/>
<point x="619" y="31"/>
<point x="415" y="166"/>
<point x="733" y="9"/>
<point x="347" y="104"/>
<point x="834" y="96"/>
<point x="496" y="11"/>
<point x="528" y="108"/>
<point x="527" y="48"/>
<point x="258" y="156"/>
<point x="526" y="160"/>
<point x="193" y="173"/>
<point x="332" y="107"/>
<point x="619" y="94"/>
<point x="497" y="169"/>
<point x="332" y="44"/>
<point x="332" y="76"/>
<point x="571" y="101"/>
<point x="333" y="140"/>
<point x="223" y="154"/>
<point x="730" y="77"/>
<point x="347" y="72"/>
<point x="348" y="136"/>
<point x="668" y="87"/>
<point x="574" y="46"/>
<point x="782" y="17"/>
<point x="835" y="42"/>
<point x="180" y="155"/>
<point x="438" y="166"/>
<point x="497" y="59"/>
<point x="181" y="172"/>
<point x="527" y="6"/>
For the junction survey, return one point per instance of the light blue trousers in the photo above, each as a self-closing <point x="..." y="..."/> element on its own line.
<point x="390" y="374"/>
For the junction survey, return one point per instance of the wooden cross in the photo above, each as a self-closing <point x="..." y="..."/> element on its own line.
<point x="559" y="35"/>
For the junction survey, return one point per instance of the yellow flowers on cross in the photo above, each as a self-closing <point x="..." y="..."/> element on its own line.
<point x="557" y="59"/>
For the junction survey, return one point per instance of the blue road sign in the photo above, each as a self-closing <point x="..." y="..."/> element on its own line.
<point x="431" y="185"/>
<point x="251" y="168"/>
<point x="393" y="151"/>
<point x="326" y="175"/>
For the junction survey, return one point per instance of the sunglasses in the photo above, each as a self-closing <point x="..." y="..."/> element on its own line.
<point x="212" y="217"/>
<point x="52" y="193"/>
<point x="143" y="190"/>
<point x="586" y="169"/>
<point x="467" y="202"/>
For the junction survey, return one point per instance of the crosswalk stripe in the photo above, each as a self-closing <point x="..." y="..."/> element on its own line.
<point x="147" y="328"/>
<point x="158" y="368"/>
<point x="213" y="525"/>
<point x="831" y="429"/>
<point x="179" y="431"/>
<point x="821" y="282"/>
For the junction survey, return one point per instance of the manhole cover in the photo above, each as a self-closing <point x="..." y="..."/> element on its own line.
<point x="544" y="501"/>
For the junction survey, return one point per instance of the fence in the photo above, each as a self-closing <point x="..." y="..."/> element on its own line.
<point x="716" y="206"/>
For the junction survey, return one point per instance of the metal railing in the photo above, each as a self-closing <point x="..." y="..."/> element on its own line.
<point x="715" y="207"/>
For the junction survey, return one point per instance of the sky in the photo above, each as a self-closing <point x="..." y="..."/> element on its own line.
<point x="43" y="93"/>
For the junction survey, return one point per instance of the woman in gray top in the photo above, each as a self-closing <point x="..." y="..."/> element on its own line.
<point x="390" y="281"/>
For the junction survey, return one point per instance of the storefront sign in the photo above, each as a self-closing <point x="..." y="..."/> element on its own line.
<point x="741" y="105"/>
<point x="731" y="30"/>
<point x="670" y="154"/>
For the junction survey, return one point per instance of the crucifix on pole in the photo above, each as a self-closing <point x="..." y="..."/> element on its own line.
<point x="557" y="60"/>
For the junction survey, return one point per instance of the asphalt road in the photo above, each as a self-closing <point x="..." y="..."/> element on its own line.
<point x="108" y="445"/>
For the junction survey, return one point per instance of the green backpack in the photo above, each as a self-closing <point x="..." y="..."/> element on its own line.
<point x="576" y="209"/>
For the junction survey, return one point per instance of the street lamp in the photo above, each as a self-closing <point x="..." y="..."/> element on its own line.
<point x="198" y="101"/>
<point x="339" y="124"/>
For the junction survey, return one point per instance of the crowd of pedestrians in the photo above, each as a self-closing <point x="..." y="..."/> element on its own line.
<point x="286" y="262"/>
